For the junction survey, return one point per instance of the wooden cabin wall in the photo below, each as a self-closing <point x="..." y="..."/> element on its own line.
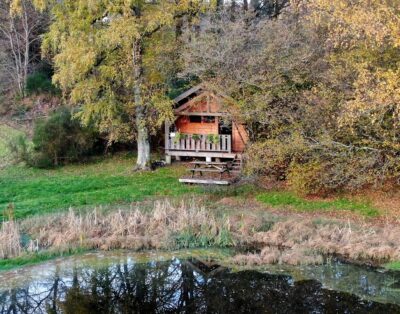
<point x="209" y="103"/>
<point x="239" y="137"/>
<point x="183" y="125"/>
<point x="203" y="103"/>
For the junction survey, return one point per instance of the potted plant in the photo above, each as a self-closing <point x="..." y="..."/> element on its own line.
<point x="196" y="137"/>
<point x="179" y="136"/>
<point x="213" y="138"/>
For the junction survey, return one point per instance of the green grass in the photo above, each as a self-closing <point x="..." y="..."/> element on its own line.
<point x="288" y="199"/>
<point x="393" y="266"/>
<point x="6" y="133"/>
<point x="106" y="182"/>
<point x="35" y="258"/>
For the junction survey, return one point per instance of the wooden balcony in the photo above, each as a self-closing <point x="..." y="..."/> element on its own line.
<point x="200" y="143"/>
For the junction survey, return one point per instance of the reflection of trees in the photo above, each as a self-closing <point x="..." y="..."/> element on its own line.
<point x="176" y="286"/>
<point x="36" y="298"/>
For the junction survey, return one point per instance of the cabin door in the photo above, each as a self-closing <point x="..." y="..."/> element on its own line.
<point x="225" y="127"/>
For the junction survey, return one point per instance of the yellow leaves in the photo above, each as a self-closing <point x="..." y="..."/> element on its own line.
<point x="92" y="44"/>
<point x="16" y="7"/>
<point x="40" y="4"/>
<point x="376" y="95"/>
<point x="122" y="31"/>
<point x="348" y="22"/>
<point x="74" y="61"/>
<point x="366" y="38"/>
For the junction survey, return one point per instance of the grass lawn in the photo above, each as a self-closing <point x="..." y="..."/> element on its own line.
<point x="6" y="133"/>
<point x="108" y="181"/>
<point x="111" y="182"/>
<point x="393" y="266"/>
<point x="289" y="199"/>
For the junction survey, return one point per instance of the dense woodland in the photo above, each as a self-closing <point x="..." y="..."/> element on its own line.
<point x="316" y="82"/>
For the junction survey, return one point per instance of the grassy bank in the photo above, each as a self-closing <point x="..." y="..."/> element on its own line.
<point x="176" y="225"/>
<point x="292" y="201"/>
<point x="105" y="182"/>
<point x="395" y="265"/>
<point x="35" y="258"/>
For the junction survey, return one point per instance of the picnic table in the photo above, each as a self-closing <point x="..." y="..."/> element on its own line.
<point x="210" y="167"/>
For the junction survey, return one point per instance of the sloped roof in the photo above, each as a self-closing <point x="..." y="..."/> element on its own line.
<point x="188" y="93"/>
<point x="201" y="87"/>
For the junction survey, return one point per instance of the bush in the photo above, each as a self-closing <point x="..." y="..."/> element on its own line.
<point x="60" y="139"/>
<point x="273" y="157"/>
<point x="40" y="82"/>
<point x="321" y="166"/>
<point x="307" y="178"/>
<point x="20" y="149"/>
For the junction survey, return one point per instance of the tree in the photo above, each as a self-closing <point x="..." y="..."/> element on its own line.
<point x="110" y="60"/>
<point x="322" y="110"/>
<point x="364" y="42"/>
<point x="19" y="37"/>
<point x="263" y="64"/>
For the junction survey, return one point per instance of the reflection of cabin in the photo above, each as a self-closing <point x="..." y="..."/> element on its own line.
<point x="203" y="127"/>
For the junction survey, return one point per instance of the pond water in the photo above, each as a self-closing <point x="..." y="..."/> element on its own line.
<point x="193" y="282"/>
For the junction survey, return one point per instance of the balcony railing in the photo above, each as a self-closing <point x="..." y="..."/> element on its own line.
<point x="200" y="143"/>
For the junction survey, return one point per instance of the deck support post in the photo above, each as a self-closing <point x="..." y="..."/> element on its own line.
<point x="168" y="159"/>
<point x="178" y="158"/>
<point x="208" y="159"/>
<point x="218" y="159"/>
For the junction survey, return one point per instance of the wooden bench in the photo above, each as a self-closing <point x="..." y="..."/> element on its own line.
<point x="210" y="167"/>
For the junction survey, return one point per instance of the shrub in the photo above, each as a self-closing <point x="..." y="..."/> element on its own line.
<point x="20" y="149"/>
<point x="307" y="178"/>
<point x="40" y="82"/>
<point x="273" y="157"/>
<point x="60" y="139"/>
<point x="321" y="165"/>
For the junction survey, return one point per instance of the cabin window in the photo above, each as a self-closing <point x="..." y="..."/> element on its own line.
<point x="208" y="119"/>
<point x="195" y="119"/>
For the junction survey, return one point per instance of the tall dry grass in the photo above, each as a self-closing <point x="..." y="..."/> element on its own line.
<point x="305" y="242"/>
<point x="188" y="224"/>
<point x="166" y="226"/>
<point x="10" y="245"/>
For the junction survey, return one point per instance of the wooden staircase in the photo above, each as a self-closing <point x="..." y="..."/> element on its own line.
<point x="237" y="165"/>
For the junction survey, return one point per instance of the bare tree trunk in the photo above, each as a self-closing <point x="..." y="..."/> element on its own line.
<point x="18" y="32"/>
<point x="143" y="138"/>
<point x="26" y="48"/>
<point x="245" y="5"/>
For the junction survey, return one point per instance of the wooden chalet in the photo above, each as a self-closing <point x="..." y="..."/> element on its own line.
<point x="204" y="128"/>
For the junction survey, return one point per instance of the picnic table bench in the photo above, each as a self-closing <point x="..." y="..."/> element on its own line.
<point x="210" y="167"/>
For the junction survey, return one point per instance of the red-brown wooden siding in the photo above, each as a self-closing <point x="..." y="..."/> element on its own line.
<point x="199" y="105"/>
<point x="239" y="137"/>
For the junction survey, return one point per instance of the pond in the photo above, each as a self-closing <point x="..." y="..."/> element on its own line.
<point x="193" y="282"/>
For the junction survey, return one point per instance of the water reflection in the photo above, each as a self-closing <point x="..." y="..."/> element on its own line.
<point x="176" y="286"/>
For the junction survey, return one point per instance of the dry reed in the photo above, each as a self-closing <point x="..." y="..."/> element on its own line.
<point x="300" y="241"/>
<point x="305" y="242"/>
<point x="10" y="245"/>
<point x="130" y="229"/>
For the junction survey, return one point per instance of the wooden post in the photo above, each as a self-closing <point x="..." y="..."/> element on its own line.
<point x="208" y="159"/>
<point x="167" y="135"/>
<point x="168" y="159"/>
